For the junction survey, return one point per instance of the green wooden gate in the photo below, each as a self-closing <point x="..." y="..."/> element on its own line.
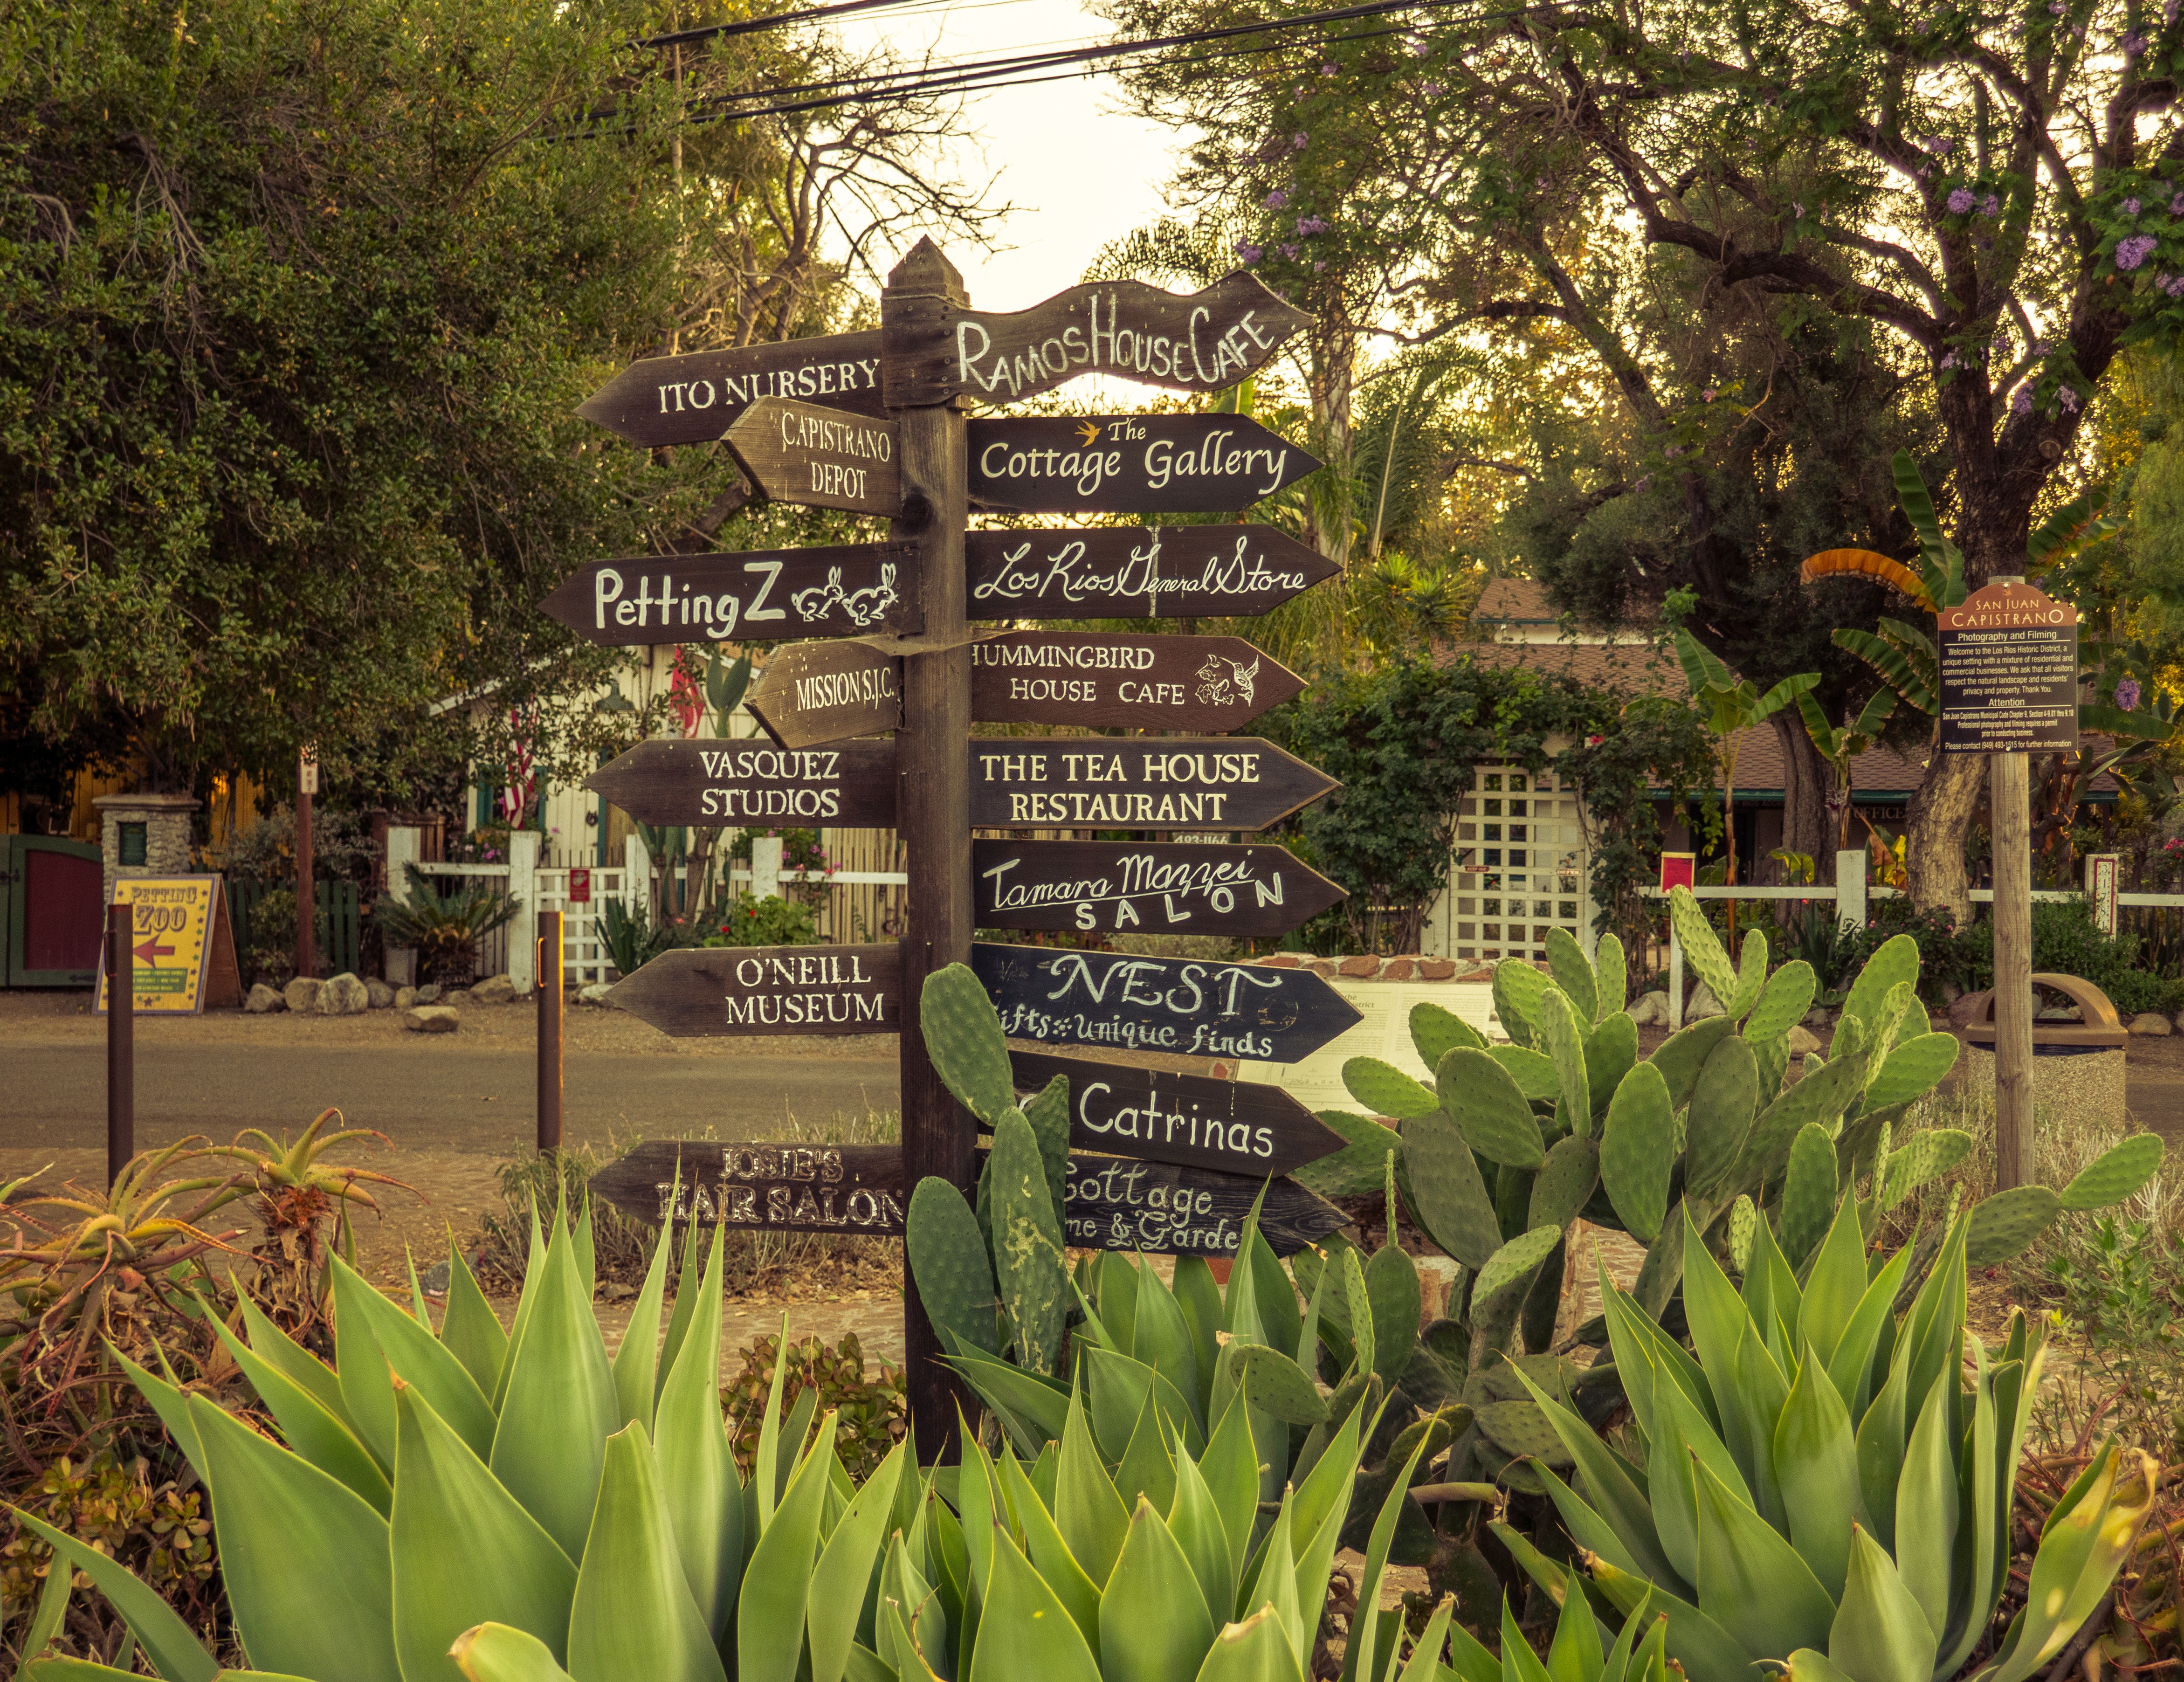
<point x="50" y="921"/>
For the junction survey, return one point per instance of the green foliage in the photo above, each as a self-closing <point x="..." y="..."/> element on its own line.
<point x="871" y="1415"/>
<point x="444" y="926"/>
<point x="771" y="921"/>
<point x="2120" y="1282"/>
<point x="635" y="940"/>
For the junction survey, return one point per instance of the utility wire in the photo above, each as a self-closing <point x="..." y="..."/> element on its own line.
<point x="684" y="37"/>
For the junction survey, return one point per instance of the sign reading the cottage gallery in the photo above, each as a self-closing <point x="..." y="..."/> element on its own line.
<point x="1203" y="340"/>
<point x="715" y="990"/>
<point x="764" y="595"/>
<point x="1129" y="464"/>
<point x="1138" y="571"/>
<point x="819" y="457"/>
<point x="693" y="399"/>
<point x="2010" y="672"/>
<point x="1194" y="683"/>
<point x="1164" y="1210"/>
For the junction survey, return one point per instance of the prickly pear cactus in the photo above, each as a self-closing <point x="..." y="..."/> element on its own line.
<point x="963" y="1037"/>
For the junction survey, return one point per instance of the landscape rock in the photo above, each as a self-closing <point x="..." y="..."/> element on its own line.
<point x="1323" y="968"/>
<point x="1968" y="1010"/>
<point x="264" y="999"/>
<point x="1360" y="969"/>
<point x="1819" y="1016"/>
<point x="493" y="990"/>
<point x="1803" y="1040"/>
<point x="1282" y="961"/>
<point x="345" y="995"/>
<point x="596" y="993"/>
<point x="431" y="1019"/>
<point x="404" y="997"/>
<point x="1399" y="969"/>
<point x="377" y="993"/>
<point x="455" y="997"/>
<point x="429" y="993"/>
<point x="2147" y="1022"/>
<point x="1651" y="1010"/>
<point x="1703" y="1003"/>
<point x="302" y="995"/>
<point x="1435" y="969"/>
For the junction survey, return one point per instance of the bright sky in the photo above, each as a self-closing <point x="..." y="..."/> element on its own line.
<point x="1079" y="169"/>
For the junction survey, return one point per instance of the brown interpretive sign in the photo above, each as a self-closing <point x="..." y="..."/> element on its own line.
<point x="819" y="457"/>
<point x="2008" y="672"/>
<point x="827" y="692"/>
<point x="764" y="595"/>
<point x="1128" y="463"/>
<point x="710" y="780"/>
<point x="1189" y="887"/>
<point x="1203" y="342"/>
<point x="1193" y="683"/>
<point x="702" y="991"/>
<point x="1138" y="571"/>
<point x="1231" y="1127"/>
<point x="799" y="1187"/>
<point x="693" y="399"/>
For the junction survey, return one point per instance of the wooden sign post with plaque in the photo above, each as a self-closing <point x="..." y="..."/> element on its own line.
<point x="819" y="457"/>
<point x="2009" y="689"/>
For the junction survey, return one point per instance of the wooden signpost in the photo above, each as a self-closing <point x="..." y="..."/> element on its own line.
<point x="1059" y="997"/>
<point x="850" y="590"/>
<point x="1129" y="464"/>
<point x="827" y="692"/>
<point x="1231" y="1127"/>
<point x="706" y="991"/>
<point x="1193" y="683"/>
<point x="1138" y="571"/>
<point x="1170" y="889"/>
<point x="938" y="347"/>
<point x="819" y="457"/>
<point x="807" y="422"/>
<point x="693" y="399"/>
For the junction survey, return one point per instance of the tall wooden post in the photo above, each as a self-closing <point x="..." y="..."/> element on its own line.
<point x="550" y="1005"/>
<point x="933" y="810"/>
<point x="120" y="1038"/>
<point x="2009" y="800"/>
<point x="306" y="897"/>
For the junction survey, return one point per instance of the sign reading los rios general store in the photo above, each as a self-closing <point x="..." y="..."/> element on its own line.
<point x="1138" y="571"/>
<point x="847" y="590"/>
<point x="2010" y="672"/>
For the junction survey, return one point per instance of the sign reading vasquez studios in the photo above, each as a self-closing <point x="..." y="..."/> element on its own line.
<point x="761" y="596"/>
<point x="2010" y="672"/>
<point x="819" y="457"/>
<point x="1173" y="889"/>
<point x="1138" y="571"/>
<point x="718" y="781"/>
<point x="1128" y="463"/>
<point x="712" y="990"/>
<point x="1210" y="683"/>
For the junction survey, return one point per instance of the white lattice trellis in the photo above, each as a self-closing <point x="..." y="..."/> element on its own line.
<point x="1520" y="866"/>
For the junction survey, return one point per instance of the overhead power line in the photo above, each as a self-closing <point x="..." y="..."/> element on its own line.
<point x="684" y="37"/>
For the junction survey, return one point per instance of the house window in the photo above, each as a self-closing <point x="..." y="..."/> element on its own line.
<point x="132" y="844"/>
<point x="1542" y="882"/>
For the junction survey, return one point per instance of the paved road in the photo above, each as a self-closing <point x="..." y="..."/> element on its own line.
<point x="425" y="1095"/>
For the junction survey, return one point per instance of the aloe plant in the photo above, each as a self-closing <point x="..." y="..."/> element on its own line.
<point x="1823" y="1485"/>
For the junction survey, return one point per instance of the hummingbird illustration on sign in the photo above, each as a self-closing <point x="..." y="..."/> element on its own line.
<point x="1090" y="431"/>
<point x="1213" y="687"/>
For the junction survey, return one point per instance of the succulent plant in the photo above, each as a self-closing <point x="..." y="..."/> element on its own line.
<point x="1822" y="1486"/>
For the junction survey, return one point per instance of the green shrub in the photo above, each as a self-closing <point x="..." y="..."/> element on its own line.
<point x="871" y="1415"/>
<point x="771" y="921"/>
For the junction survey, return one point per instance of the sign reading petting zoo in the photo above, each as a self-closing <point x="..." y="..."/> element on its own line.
<point x="183" y="956"/>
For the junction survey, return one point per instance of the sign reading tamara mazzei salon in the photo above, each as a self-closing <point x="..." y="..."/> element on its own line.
<point x="2010" y="672"/>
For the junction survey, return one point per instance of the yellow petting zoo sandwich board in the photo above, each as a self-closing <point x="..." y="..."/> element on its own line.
<point x="183" y="951"/>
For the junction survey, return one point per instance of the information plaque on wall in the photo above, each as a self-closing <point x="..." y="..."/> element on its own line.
<point x="2010" y="672"/>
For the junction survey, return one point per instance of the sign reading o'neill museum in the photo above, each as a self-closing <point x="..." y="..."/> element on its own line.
<point x="2010" y="672"/>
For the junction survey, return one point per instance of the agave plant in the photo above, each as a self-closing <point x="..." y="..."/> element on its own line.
<point x="1824" y="1485"/>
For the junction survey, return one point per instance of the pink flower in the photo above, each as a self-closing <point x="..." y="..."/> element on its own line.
<point x="1594" y="741"/>
<point x="1990" y="205"/>
<point x="1275" y="200"/>
<point x="1250" y="253"/>
<point x="1708" y="394"/>
<point x="2130" y="207"/>
<point x="2127" y="693"/>
<point x="2022" y="403"/>
<point x="2068" y="397"/>
<point x="1960" y="201"/>
<point x="2133" y="249"/>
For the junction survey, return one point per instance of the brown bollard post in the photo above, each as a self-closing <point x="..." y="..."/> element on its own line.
<point x="550" y="1031"/>
<point x="120" y="1038"/>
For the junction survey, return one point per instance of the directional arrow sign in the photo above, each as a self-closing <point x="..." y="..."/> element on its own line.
<point x="715" y="990"/>
<point x="756" y="597"/>
<point x="753" y="783"/>
<point x="1201" y="341"/>
<point x="1232" y="1126"/>
<point x="1171" y="888"/>
<point x="1145" y="682"/>
<point x="1150" y="782"/>
<point x="819" y="457"/>
<point x="1138" y="571"/>
<point x="1195" y="1010"/>
<point x="691" y="399"/>
<point x="827" y="692"/>
<point x="151" y="951"/>
<point x="1220" y="783"/>
<point x="1163" y="1210"/>
<point x="1129" y="464"/>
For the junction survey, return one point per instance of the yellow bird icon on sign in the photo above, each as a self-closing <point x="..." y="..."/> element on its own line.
<point x="1090" y="431"/>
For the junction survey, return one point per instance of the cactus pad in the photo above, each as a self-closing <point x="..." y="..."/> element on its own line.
<point x="1391" y="1284"/>
<point x="1518" y="1428"/>
<point x="1355" y="1170"/>
<point x="1782" y="1002"/>
<point x="947" y="1260"/>
<point x="1743" y="1226"/>
<point x="1897" y="960"/>
<point x="1751" y="976"/>
<point x="1275" y="1384"/>
<point x="1048" y="1112"/>
<point x="1610" y="978"/>
<point x="1701" y="950"/>
<point x="1562" y="1187"/>
<point x="1682" y="1054"/>
<point x="1572" y="973"/>
<point x="2116" y="1174"/>
<point x="1517" y="989"/>
<point x="1534" y="1072"/>
<point x="1914" y="1068"/>
<point x="1563" y="1041"/>
<point x="1821" y="1096"/>
<point x="1808" y="1192"/>
<point x="1027" y="1256"/>
<point x="1513" y="1263"/>
<point x="1436" y="1032"/>
<point x="962" y="1036"/>
<point x="2003" y="1224"/>
<point x="1725" y="1100"/>
<point x="1386" y="1090"/>
<point x="1484" y="1101"/>
<point x="1773" y="1057"/>
<point x="1637" y="1150"/>
<point x="1447" y="1194"/>
<point x="1925" y="1155"/>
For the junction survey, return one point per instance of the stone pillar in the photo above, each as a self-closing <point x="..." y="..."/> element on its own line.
<point x="165" y="834"/>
